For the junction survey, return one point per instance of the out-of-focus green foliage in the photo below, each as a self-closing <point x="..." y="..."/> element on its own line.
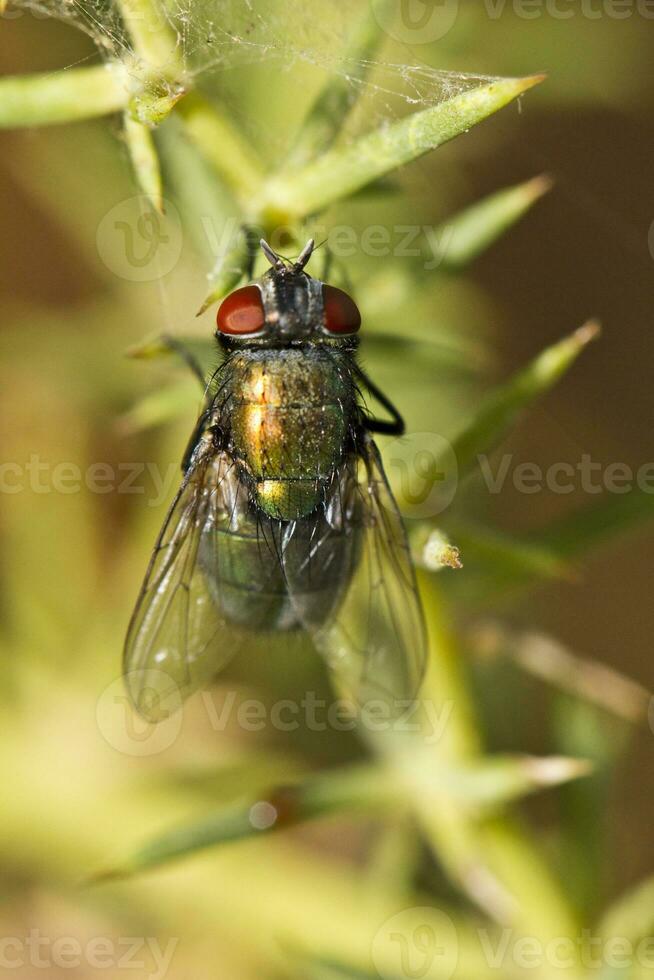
<point x="425" y="822"/>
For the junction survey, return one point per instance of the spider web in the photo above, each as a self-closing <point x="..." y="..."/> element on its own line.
<point x="216" y="36"/>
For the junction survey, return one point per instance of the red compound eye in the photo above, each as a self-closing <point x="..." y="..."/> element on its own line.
<point x="341" y="312"/>
<point x="241" y="312"/>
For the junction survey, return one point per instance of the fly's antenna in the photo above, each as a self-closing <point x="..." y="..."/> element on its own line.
<point x="275" y="260"/>
<point x="305" y="255"/>
<point x="278" y="262"/>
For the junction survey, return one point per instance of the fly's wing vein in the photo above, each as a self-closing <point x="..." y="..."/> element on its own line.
<point x="178" y="638"/>
<point x="370" y="627"/>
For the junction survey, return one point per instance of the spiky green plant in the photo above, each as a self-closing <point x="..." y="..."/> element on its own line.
<point x="451" y="837"/>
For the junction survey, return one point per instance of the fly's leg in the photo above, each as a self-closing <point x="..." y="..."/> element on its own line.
<point x="196" y="435"/>
<point x="205" y="416"/>
<point x="395" y="425"/>
<point x="182" y="351"/>
<point x="207" y="413"/>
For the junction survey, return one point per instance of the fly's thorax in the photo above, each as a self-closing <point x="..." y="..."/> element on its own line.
<point x="289" y="411"/>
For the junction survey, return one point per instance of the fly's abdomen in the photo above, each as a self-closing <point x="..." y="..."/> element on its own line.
<point x="252" y="591"/>
<point x="249" y="585"/>
<point x="289" y="414"/>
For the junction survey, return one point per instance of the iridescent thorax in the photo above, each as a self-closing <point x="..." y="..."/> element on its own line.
<point x="289" y="394"/>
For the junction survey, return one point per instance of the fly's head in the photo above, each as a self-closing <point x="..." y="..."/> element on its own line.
<point x="287" y="307"/>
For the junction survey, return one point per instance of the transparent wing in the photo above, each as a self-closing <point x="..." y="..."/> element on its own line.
<point x="369" y="625"/>
<point x="178" y="638"/>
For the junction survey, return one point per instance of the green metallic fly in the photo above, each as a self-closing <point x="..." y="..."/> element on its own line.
<point x="284" y="519"/>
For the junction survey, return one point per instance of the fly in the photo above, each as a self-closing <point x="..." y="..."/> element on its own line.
<point x="284" y="519"/>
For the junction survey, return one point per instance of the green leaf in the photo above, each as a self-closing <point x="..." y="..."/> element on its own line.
<point x="479" y="785"/>
<point x="549" y="553"/>
<point x="470" y="849"/>
<point x="589" y="527"/>
<point x="228" y="270"/>
<point x="491" y="781"/>
<point x="328" y="113"/>
<point x="550" y="661"/>
<point x="318" y="795"/>
<point x="221" y="143"/>
<point x="208" y="209"/>
<point x="632" y="916"/>
<point x="570" y="539"/>
<point x="165" y="404"/>
<point x="145" y="161"/>
<point x="395" y="287"/>
<point x="469" y="233"/>
<point x="580" y="727"/>
<point x="395" y="856"/>
<point x="151" y="35"/>
<point x="64" y="96"/>
<point x="344" y="170"/>
<point x="584" y="529"/>
<point x="501" y="411"/>
<point x="508" y="558"/>
<point x="425" y="353"/>
<point x="153" y="348"/>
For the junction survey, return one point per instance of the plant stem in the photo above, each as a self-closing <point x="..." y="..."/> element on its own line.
<point x="469" y="233"/>
<point x="144" y="159"/>
<point x="499" y="413"/>
<point x="221" y="144"/>
<point x="151" y="35"/>
<point x="488" y="857"/>
<point x="326" y="117"/>
<point x="60" y="97"/>
<point x="344" y="170"/>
